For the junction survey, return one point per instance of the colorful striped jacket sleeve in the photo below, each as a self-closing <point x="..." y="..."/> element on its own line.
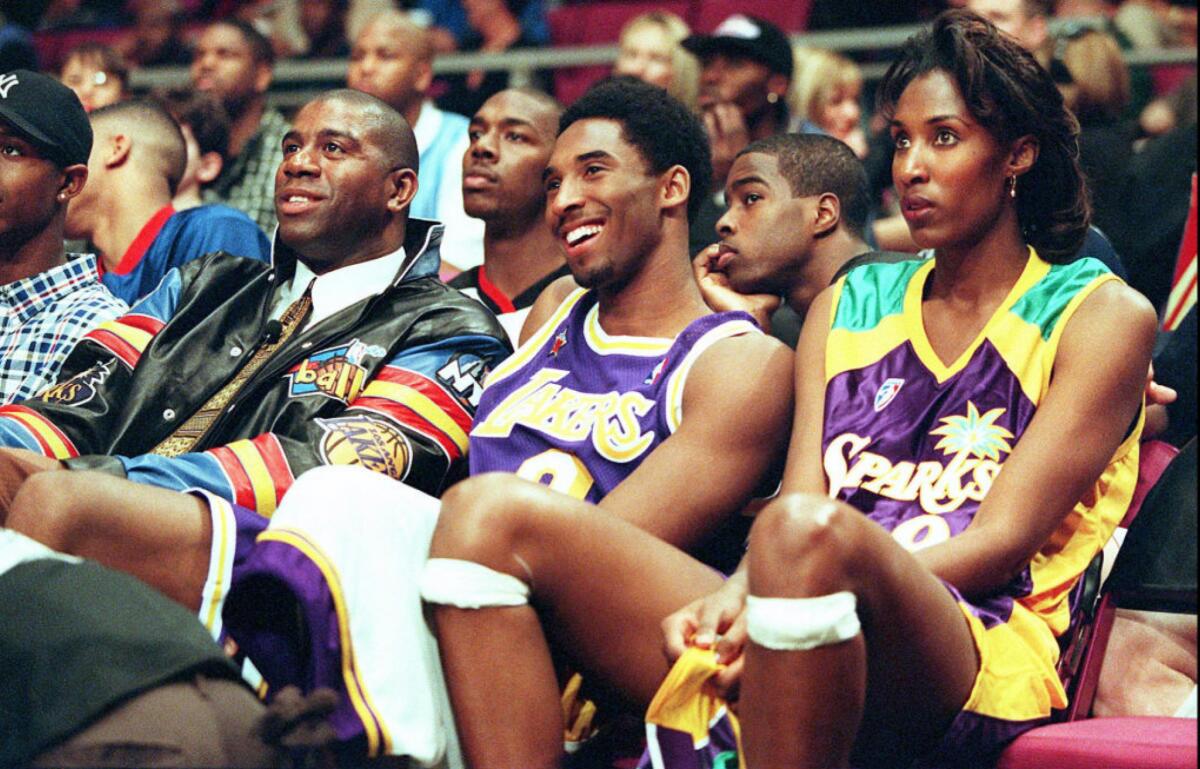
<point x="410" y="422"/>
<point x="92" y="379"/>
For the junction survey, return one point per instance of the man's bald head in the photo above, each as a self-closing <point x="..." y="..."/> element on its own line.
<point x="387" y="128"/>
<point x="157" y="147"/>
<point x="346" y="178"/>
<point x="400" y="27"/>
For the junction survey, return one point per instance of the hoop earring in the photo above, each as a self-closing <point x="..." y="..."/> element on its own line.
<point x="1011" y="183"/>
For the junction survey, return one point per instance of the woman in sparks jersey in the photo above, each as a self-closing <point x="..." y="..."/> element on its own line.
<point x="983" y="408"/>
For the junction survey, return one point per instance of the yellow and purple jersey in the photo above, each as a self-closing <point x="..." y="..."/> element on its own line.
<point x="916" y="444"/>
<point x="578" y="409"/>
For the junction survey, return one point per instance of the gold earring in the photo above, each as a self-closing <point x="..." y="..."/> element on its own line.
<point x="1012" y="186"/>
<point x="772" y="98"/>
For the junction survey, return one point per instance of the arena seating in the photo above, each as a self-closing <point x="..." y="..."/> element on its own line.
<point x="599" y="23"/>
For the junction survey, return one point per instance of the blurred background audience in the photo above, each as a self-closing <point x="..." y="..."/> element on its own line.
<point x="651" y="49"/>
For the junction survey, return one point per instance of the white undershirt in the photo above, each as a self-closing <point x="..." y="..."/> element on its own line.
<point x="338" y="289"/>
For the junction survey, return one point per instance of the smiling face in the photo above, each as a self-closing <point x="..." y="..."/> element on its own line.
<point x="948" y="169"/>
<point x="511" y="135"/>
<point x="334" y="187"/>
<point x="601" y="203"/>
<point x="841" y="113"/>
<point x="766" y="233"/>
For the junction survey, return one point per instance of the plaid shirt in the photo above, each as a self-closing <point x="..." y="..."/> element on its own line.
<point x="41" y="318"/>
<point x="247" y="182"/>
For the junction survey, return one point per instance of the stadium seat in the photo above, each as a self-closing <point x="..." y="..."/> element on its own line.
<point x="790" y="16"/>
<point x="1154" y="571"/>
<point x="596" y="24"/>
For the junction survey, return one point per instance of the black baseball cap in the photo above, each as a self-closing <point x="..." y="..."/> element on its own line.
<point x="47" y="114"/>
<point x="748" y="36"/>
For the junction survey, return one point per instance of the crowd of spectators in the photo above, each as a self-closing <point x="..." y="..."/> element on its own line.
<point x="333" y="285"/>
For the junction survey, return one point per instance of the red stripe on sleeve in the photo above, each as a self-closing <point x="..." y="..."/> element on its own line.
<point x="115" y="344"/>
<point x="412" y="420"/>
<point x="277" y="464"/>
<point x="430" y="389"/>
<point x="243" y="491"/>
<point x="145" y="323"/>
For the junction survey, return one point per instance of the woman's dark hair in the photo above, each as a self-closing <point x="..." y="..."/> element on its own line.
<point x="1010" y="94"/>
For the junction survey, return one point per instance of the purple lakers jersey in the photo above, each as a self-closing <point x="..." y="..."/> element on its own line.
<point x="916" y="443"/>
<point x="577" y="409"/>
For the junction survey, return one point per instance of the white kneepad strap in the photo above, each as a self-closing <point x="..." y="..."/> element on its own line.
<point x="470" y="585"/>
<point x="791" y="624"/>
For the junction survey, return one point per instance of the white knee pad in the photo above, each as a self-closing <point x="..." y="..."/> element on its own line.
<point x="470" y="585"/>
<point x="790" y="624"/>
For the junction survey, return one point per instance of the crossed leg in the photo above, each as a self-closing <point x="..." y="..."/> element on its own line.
<point x="889" y="693"/>
<point x="601" y="586"/>
<point x="161" y="537"/>
<point x="16" y="466"/>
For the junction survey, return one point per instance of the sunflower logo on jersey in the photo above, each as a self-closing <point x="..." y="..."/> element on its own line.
<point x="975" y="434"/>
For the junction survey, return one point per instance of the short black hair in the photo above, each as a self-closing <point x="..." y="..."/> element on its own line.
<point x="260" y="47"/>
<point x="664" y="131"/>
<point x="814" y="164"/>
<point x="155" y="130"/>
<point x="202" y="113"/>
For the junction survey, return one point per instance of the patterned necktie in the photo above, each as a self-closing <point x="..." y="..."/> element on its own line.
<point x="194" y="427"/>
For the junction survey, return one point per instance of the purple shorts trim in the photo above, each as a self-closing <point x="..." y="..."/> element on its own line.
<point x="305" y="651"/>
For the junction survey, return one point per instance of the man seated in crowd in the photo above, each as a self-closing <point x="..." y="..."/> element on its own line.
<point x="512" y="135"/>
<point x="746" y="71"/>
<point x="619" y="391"/>
<point x="138" y="158"/>
<point x="392" y="59"/>
<point x="235" y="376"/>
<point x="204" y="124"/>
<point x="48" y="299"/>
<point x="234" y="62"/>
<point x="798" y="206"/>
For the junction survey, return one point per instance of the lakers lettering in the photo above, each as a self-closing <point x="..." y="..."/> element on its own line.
<point x="373" y="443"/>
<point x="611" y="419"/>
<point x="79" y="389"/>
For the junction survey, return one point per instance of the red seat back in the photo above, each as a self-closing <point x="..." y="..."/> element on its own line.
<point x="789" y="16"/>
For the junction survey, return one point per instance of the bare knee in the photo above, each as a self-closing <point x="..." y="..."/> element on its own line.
<point x="804" y="544"/>
<point x="482" y="516"/>
<point x="45" y="508"/>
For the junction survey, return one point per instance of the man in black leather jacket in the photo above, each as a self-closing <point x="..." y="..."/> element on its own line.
<point x="234" y="377"/>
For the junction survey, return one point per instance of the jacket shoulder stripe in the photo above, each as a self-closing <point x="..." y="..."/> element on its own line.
<point x="430" y="389"/>
<point x="411" y="420"/>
